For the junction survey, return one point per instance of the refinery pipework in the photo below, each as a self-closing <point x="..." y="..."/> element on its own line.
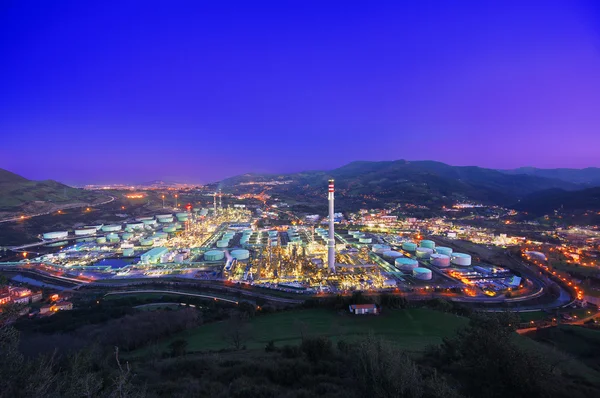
<point x="331" y="242"/>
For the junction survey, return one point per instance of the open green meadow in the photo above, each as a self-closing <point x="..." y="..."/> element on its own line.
<point x="412" y="329"/>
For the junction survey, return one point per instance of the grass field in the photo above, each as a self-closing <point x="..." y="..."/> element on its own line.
<point x="412" y="329"/>
<point x="574" y="349"/>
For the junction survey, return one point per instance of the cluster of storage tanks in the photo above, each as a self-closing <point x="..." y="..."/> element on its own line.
<point x="139" y="224"/>
<point x="439" y="256"/>
<point x="273" y="238"/>
<point x="246" y="235"/>
<point x="293" y="235"/>
<point x="225" y="239"/>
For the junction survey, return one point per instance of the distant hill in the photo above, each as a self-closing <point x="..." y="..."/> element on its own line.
<point x="7" y="177"/>
<point x="589" y="176"/>
<point x="425" y="182"/>
<point x="20" y="194"/>
<point x="545" y="202"/>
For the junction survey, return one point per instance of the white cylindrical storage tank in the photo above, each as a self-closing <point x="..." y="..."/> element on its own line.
<point x="428" y="244"/>
<point x="391" y="254"/>
<point x="85" y="231"/>
<point x="149" y="221"/>
<point x="128" y="252"/>
<point x="147" y="242"/>
<point x="240" y="254"/>
<point x="161" y="235"/>
<point x="111" y="228"/>
<point x="55" y="235"/>
<point x="444" y="250"/>
<point x="423" y="274"/>
<point x="135" y="225"/>
<point x="461" y="259"/>
<point x="440" y="260"/>
<point x="424" y="252"/>
<point x="165" y="219"/>
<point x="352" y="232"/>
<point x="112" y="238"/>
<point x="214" y="255"/>
<point x="101" y="240"/>
<point x="406" y="264"/>
<point x="380" y="248"/>
<point x="409" y="246"/>
<point x="222" y="243"/>
<point x="365" y="240"/>
<point x="126" y="236"/>
<point x="182" y="216"/>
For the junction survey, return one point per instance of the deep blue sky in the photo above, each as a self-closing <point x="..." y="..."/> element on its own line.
<point x="196" y="91"/>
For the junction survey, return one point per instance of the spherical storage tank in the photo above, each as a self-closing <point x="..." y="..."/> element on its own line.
<point x="364" y="240"/>
<point x="409" y="246"/>
<point x="443" y="250"/>
<point x="240" y="254"/>
<point x="406" y="264"/>
<point x="423" y="274"/>
<point x="380" y="248"/>
<point x="56" y="235"/>
<point x="214" y="255"/>
<point x="424" y="252"/>
<point x="440" y="260"/>
<point x="391" y="254"/>
<point x="428" y="244"/>
<point x="462" y="259"/>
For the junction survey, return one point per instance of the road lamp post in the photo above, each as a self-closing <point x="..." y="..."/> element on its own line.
<point x="163" y="198"/>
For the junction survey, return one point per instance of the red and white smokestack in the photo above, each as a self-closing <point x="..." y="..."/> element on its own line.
<point x="331" y="240"/>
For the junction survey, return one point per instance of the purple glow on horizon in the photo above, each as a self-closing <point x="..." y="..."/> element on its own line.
<point x="121" y="93"/>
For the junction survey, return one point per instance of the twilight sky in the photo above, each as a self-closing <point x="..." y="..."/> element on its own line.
<point x="123" y="91"/>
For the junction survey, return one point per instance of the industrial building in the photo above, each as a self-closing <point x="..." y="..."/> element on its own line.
<point x="362" y="309"/>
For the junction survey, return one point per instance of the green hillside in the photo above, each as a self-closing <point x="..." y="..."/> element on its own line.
<point x="20" y="194"/>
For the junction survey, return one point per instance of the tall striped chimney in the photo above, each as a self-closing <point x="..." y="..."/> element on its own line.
<point x="331" y="241"/>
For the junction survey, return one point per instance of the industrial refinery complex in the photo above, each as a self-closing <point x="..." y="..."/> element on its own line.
<point x="335" y="254"/>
